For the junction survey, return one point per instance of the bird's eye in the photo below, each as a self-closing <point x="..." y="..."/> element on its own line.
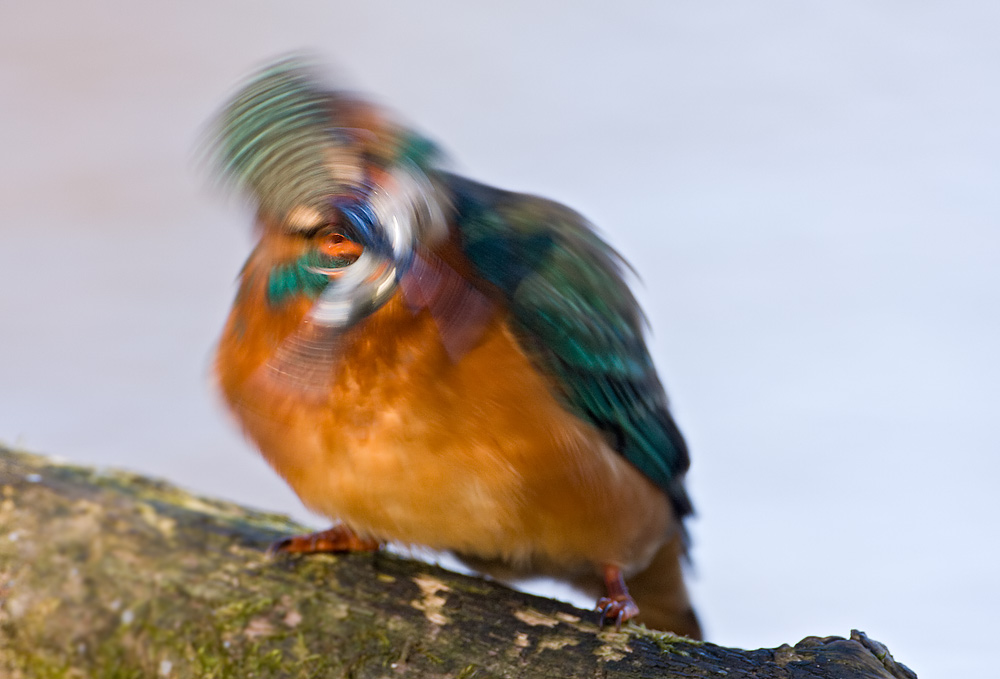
<point x="333" y="245"/>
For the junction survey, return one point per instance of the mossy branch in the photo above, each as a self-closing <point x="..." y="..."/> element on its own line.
<point x="109" y="574"/>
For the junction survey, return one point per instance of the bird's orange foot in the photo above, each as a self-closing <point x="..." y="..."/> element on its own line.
<point x="618" y="605"/>
<point x="340" y="538"/>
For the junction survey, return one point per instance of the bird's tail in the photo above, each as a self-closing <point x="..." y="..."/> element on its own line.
<point x="661" y="594"/>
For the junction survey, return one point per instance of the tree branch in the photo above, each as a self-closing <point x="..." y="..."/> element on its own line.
<point x="110" y="574"/>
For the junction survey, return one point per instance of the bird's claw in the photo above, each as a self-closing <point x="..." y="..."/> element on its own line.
<point x="618" y="608"/>
<point x="334" y="540"/>
<point x="295" y="544"/>
<point x="277" y="547"/>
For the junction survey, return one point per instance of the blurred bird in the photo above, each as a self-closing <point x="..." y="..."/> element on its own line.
<point x="431" y="361"/>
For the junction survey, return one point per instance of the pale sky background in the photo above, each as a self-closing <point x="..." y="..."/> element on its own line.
<point x="810" y="192"/>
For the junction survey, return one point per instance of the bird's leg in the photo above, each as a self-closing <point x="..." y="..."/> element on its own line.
<point x="618" y="605"/>
<point x="339" y="538"/>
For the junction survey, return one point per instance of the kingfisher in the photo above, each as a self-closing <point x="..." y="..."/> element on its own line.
<point x="430" y="361"/>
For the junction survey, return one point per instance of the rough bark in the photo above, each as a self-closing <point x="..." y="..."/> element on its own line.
<point x="109" y="574"/>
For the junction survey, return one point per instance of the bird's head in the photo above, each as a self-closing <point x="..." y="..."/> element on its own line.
<point x="343" y="193"/>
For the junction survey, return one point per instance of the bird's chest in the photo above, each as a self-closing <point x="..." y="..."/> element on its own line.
<point x="405" y="443"/>
<point x="474" y="454"/>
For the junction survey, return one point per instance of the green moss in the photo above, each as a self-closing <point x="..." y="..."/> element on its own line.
<point x="664" y="641"/>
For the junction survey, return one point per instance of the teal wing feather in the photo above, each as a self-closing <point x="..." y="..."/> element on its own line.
<point x="576" y="319"/>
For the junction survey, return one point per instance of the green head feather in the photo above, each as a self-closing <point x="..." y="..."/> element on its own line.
<point x="289" y="142"/>
<point x="276" y="140"/>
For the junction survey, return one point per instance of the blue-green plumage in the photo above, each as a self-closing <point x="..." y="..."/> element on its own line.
<point x="303" y="276"/>
<point x="577" y="320"/>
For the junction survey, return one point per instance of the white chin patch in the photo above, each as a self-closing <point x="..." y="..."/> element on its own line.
<point x="303" y="218"/>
